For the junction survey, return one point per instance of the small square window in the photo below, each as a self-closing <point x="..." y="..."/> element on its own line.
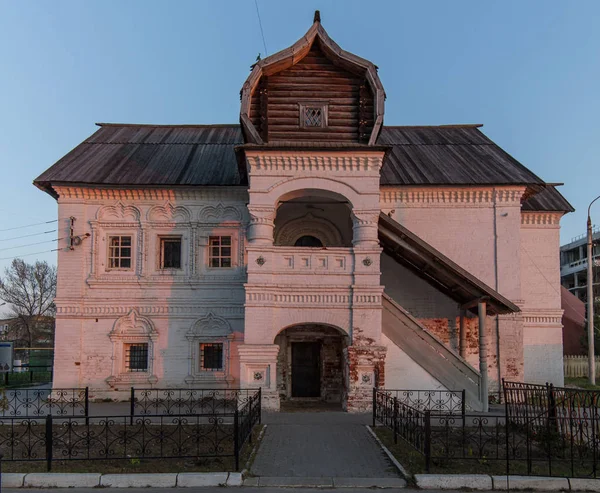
<point x="170" y="253"/>
<point x="219" y="254"/>
<point x="313" y="115"/>
<point x="211" y="357"/>
<point x="136" y="357"/>
<point x="119" y="252"/>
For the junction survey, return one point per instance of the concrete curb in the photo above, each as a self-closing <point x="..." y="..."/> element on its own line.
<point x="327" y="482"/>
<point x="499" y="483"/>
<point x="393" y="459"/>
<point x="96" y="480"/>
<point x="453" y="481"/>
<point x="61" y="480"/>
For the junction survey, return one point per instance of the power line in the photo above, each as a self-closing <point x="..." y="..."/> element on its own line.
<point x="261" y="28"/>
<point x="29" y="236"/>
<point x="30" y="254"/>
<point x="30" y="244"/>
<point x="28" y="226"/>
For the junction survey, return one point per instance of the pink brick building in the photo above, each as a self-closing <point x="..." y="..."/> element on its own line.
<point x="309" y="250"/>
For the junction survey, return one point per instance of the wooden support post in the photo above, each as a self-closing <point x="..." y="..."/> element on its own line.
<point x="481" y="307"/>
<point x="462" y="335"/>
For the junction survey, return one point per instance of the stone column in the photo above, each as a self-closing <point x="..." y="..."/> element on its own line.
<point x="260" y="230"/>
<point x="364" y="365"/>
<point x="365" y="228"/>
<point x="258" y="368"/>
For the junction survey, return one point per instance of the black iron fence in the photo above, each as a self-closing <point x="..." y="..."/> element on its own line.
<point x="435" y="401"/>
<point x="41" y="402"/>
<point x="555" y="431"/>
<point x="543" y="431"/>
<point x="157" y="436"/>
<point x="146" y="402"/>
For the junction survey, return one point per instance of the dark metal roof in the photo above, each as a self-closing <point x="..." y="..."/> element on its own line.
<point x="548" y="200"/>
<point x="437" y="269"/>
<point x="151" y="155"/>
<point x="196" y="155"/>
<point x="448" y="155"/>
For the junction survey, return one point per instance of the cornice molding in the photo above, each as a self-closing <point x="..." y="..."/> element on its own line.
<point x="157" y="309"/>
<point x="264" y="164"/>
<point x="442" y="197"/>
<point x="162" y="194"/>
<point x="541" y="219"/>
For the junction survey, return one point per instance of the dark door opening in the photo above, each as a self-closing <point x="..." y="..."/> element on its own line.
<point x="306" y="371"/>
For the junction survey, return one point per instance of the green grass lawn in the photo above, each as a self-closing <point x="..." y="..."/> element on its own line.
<point x="581" y="382"/>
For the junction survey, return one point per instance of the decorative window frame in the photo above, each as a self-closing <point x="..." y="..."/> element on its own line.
<point x="204" y="240"/>
<point x="322" y="105"/>
<point x="116" y="220"/>
<point x="132" y="329"/>
<point x="159" y="231"/>
<point x="209" y="329"/>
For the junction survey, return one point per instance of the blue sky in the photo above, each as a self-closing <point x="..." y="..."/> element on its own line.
<point x="529" y="71"/>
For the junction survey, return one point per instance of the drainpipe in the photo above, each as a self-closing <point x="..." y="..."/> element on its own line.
<point x="499" y="363"/>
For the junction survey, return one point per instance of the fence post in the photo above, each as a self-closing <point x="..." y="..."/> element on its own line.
<point x="131" y="406"/>
<point x="463" y="407"/>
<point x="249" y="420"/>
<point x="259" y="405"/>
<point x="236" y="443"/>
<point x="427" y="440"/>
<point x="49" y="442"/>
<point x="87" y="406"/>
<point x="374" y="405"/>
<point x="395" y="420"/>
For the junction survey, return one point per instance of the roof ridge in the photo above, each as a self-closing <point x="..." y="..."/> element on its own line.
<point x="449" y="125"/>
<point x="193" y="125"/>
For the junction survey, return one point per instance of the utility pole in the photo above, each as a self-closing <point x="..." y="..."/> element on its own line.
<point x="590" y="297"/>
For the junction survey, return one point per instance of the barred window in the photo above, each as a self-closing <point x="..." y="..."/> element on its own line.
<point x="219" y="251"/>
<point x="136" y="357"/>
<point x="170" y="253"/>
<point x="211" y="357"/>
<point x="119" y="252"/>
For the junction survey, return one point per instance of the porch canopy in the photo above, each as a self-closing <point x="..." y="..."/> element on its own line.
<point x="438" y="270"/>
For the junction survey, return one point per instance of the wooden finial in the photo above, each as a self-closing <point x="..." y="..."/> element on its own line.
<point x="317" y="16"/>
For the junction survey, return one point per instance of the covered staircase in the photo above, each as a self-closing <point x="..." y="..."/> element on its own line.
<point x="470" y="294"/>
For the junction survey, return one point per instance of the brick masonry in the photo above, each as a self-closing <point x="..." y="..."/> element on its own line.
<point x="248" y="305"/>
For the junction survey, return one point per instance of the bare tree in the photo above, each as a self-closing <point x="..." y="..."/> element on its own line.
<point x="29" y="289"/>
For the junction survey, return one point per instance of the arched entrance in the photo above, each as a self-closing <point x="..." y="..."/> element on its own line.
<point x="310" y="363"/>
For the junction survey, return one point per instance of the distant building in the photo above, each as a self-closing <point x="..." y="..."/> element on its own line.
<point x="573" y="265"/>
<point x="573" y="320"/>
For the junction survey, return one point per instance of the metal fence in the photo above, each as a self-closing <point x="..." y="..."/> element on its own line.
<point x="199" y="435"/>
<point x="555" y="431"/>
<point x="146" y="402"/>
<point x="436" y="401"/>
<point x="41" y="402"/>
<point x="545" y="431"/>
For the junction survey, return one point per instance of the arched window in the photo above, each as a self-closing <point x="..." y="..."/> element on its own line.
<point x="308" y="241"/>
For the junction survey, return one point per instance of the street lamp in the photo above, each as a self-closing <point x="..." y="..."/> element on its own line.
<point x="590" y="297"/>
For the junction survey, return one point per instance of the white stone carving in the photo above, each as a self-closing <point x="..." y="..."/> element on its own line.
<point x="133" y="325"/>
<point x="210" y="326"/>
<point x="219" y="213"/>
<point x="118" y="212"/>
<point x="169" y="213"/>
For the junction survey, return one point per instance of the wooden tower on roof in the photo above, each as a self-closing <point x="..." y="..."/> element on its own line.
<point x="311" y="92"/>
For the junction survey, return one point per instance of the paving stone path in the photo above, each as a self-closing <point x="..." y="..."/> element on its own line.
<point x="320" y="444"/>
